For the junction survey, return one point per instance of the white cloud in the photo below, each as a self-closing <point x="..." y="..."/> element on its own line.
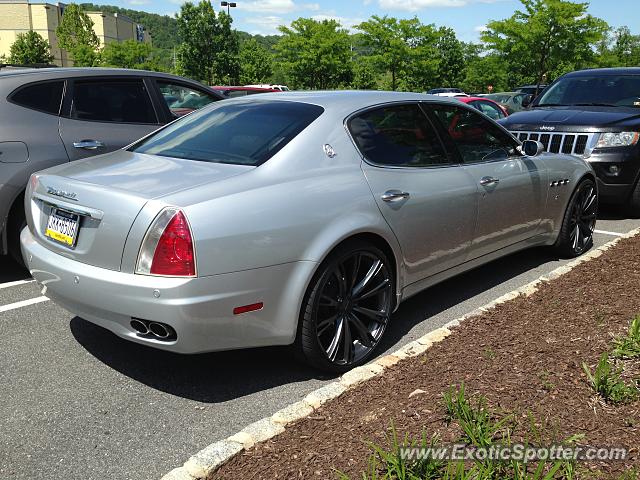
<point x="480" y="28"/>
<point x="277" y="6"/>
<point x="346" y="22"/>
<point x="267" y="25"/>
<point x="415" y="5"/>
<point x="139" y="2"/>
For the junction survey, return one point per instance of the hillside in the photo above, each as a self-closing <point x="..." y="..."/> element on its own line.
<point x="164" y="29"/>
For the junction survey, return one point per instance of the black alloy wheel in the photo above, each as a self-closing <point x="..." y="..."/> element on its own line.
<point x="347" y="309"/>
<point x="576" y="236"/>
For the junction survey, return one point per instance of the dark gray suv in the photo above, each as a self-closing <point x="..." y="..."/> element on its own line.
<point x="56" y="115"/>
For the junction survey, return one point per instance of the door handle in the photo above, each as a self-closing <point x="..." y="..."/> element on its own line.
<point x="486" y="181"/>
<point x="394" y="196"/>
<point x="88" y="144"/>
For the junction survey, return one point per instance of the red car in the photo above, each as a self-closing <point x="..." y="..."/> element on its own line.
<point x="490" y="108"/>
<point x="230" y="92"/>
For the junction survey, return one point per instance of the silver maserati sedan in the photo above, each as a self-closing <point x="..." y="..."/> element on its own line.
<point x="297" y="218"/>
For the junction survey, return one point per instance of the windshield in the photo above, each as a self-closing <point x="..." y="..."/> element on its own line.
<point x="605" y="90"/>
<point x="247" y="133"/>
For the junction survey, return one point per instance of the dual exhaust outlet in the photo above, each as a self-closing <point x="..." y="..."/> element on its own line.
<point x="157" y="330"/>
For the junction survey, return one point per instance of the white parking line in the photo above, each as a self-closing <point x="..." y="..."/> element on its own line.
<point x="614" y="234"/>
<point x="23" y="303"/>
<point x="14" y="284"/>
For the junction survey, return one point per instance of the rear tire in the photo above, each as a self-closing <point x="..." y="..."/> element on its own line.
<point x="346" y="308"/>
<point x="15" y="224"/>
<point x="576" y="233"/>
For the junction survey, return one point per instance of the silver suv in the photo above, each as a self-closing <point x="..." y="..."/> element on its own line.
<point x="56" y="115"/>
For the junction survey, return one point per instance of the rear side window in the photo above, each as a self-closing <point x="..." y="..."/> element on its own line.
<point x="120" y="101"/>
<point x="43" y="96"/>
<point x="247" y="133"/>
<point x="398" y="136"/>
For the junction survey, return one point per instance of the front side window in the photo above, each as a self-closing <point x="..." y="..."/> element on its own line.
<point x="247" y="133"/>
<point x="398" y="136"/>
<point x="182" y="99"/>
<point x="119" y="101"/>
<point x="42" y="96"/>
<point x="476" y="138"/>
<point x="489" y="110"/>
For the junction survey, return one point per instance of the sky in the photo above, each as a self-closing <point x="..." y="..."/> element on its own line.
<point x="466" y="17"/>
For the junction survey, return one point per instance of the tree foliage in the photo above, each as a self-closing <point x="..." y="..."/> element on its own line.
<point x="545" y="39"/>
<point x="128" y="54"/>
<point x="209" y="48"/>
<point x="75" y="35"/>
<point x="256" y="63"/>
<point x="29" y="48"/>
<point x="315" y="54"/>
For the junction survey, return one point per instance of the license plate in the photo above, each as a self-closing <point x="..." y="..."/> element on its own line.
<point x="62" y="227"/>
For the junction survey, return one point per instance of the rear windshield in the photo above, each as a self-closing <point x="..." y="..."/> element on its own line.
<point x="247" y="133"/>
<point x="605" y="90"/>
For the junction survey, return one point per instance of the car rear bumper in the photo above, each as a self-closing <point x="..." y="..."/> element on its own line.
<point x="200" y="310"/>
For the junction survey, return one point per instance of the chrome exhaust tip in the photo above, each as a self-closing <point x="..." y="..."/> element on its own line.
<point x="140" y="327"/>
<point x="159" y="330"/>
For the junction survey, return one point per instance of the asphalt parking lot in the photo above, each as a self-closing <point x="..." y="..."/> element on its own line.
<point x="79" y="403"/>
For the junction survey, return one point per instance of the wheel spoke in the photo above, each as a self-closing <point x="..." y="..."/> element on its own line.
<point x="373" y="271"/>
<point x="338" y="272"/>
<point x="575" y="235"/>
<point x="325" y="324"/>
<point x="354" y="271"/>
<point x="335" y="342"/>
<point x="365" y="337"/>
<point x="364" y="295"/>
<point x="348" y="351"/>
<point x="327" y="301"/>
<point x="376" y="316"/>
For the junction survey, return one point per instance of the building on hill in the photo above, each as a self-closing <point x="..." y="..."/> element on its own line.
<point x="18" y="16"/>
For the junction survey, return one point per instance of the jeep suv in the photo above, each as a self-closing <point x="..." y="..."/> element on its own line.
<point x="56" y="115"/>
<point x="593" y="114"/>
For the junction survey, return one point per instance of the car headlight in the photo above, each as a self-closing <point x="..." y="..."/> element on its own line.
<point x="617" y="139"/>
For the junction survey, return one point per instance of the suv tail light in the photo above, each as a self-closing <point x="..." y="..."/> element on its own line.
<point x="167" y="248"/>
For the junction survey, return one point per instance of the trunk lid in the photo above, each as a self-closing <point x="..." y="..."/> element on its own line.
<point x="107" y="193"/>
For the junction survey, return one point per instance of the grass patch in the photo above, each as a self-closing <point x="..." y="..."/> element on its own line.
<point x="606" y="381"/>
<point x="629" y="345"/>
<point x="481" y="428"/>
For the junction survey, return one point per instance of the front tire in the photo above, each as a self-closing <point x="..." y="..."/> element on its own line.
<point x="346" y="308"/>
<point x="576" y="233"/>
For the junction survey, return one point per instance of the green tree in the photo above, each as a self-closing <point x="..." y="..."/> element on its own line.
<point x="451" y="58"/>
<point x="484" y="71"/>
<point x="546" y="39"/>
<point x="256" y="63"/>
<point x="75" y="35"/>
<point x="128" y="54"/>
<point x="404" y="49"/>
<point x="209" y="48"/>
<point x="365" y="76"/>
<point x="315" y="54"/>
<point x="30" y="47"/>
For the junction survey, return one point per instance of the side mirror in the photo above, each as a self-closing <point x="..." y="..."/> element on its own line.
<point x="527" y="100"/>
<point x="532" y="148"/>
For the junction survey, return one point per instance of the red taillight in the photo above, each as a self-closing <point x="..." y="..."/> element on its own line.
<point x="174" y="252"/>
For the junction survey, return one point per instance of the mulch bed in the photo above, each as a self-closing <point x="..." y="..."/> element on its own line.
<point x="524" y="356"/>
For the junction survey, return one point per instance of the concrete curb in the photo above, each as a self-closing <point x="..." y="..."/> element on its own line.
<point x="208" y="460"/>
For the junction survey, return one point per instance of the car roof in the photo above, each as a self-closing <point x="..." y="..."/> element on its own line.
<point x="246" y="89"/>
<point x="345" y="100"/>
<point x="66" y="72"/>
<point x="605" y="71"/>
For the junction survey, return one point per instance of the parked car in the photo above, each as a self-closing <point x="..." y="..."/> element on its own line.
<point x="296" y="218"/>
<point x="56" y="115"/>
<point x="440" y="91"/>
<point x="280" y="88"/>
<point x="593" y="114"/>
<point x="490" y="108"/>
<point x="511" y="101"/>
<point x="532" y="89"/>
<point x="232" y="92"/>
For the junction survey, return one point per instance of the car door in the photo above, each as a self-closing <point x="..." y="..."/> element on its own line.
<point x="428" y="200"/>
<point x="104" y="114"/>
<point x="511" y="187"/>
